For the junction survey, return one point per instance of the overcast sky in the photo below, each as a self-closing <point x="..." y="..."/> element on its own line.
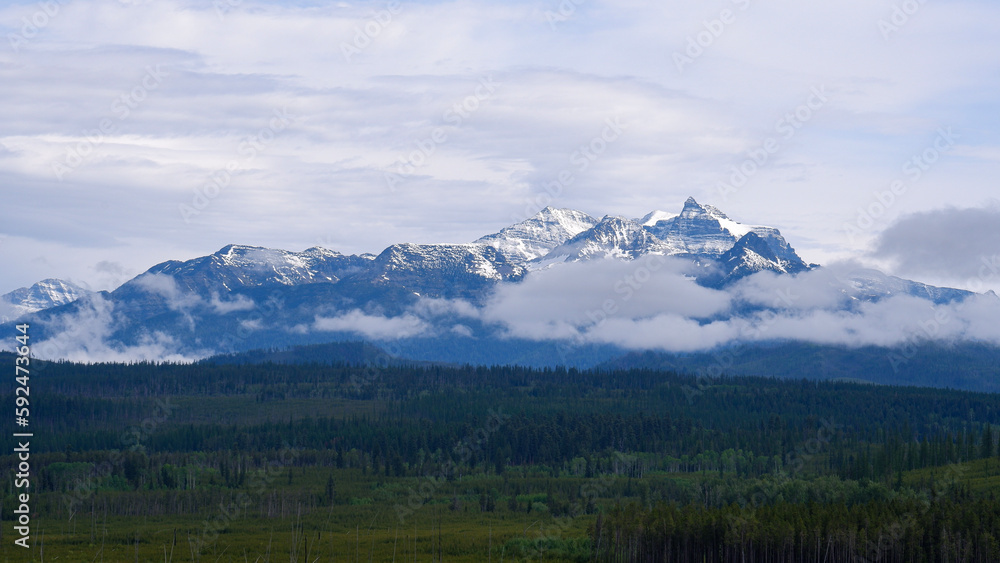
<point x="135" y="132"/>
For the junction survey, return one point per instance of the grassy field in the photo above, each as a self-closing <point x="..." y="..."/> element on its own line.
<point x="362" y="524"/>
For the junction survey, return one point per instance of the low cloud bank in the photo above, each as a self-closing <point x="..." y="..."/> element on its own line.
<point x="588" y="303"/>
<point x="650" y="303"/>
<point x="373" y="326"/>
<point x="86" y="336"/>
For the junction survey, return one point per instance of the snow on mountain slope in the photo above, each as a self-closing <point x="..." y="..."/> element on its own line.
<point x="551" y="236"/>
<point x="238" y="266"/>
<point x="699" y="231"/>
<point x="242" y="297"/>
<point x="612" y="237"/>
<point x="655" y="217"/>
<point x="42" y="295"/>
<point x="752" y="254"/>
<point x="872" y="285"/>
<point x="537" y="236"/>
<point x="442" y="270"/>
<point x="706" y="230"/>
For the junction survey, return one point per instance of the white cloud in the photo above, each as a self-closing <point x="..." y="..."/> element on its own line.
<point x="559" y="301"/>
<point x="432" y="307"/>
<point x="373" y="326"/>
<point x="823" y="288"/>
<point x="240" y="303"/>
<point x="664" y="331"/>
<point x="165" y="286"/>
<point x="462" y="330"/>
<point x="671" y="312"/>
<point x="85" y="336"/>
<point x="251" y="324"/>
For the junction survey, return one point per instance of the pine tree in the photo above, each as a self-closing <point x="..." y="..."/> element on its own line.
<point x="986" y="446"/>
<point x="331" y="490"/>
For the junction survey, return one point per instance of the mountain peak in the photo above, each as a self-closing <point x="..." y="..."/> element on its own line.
<point x="612" y="237"/>
<point x="753" y="253"/>
<point x="535" y="236"/>
<point x="691" y="208"/>
<point x="47" y="293"/>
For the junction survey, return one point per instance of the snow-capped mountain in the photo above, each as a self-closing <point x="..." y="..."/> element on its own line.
<point x="612" y="237"/>
<point x="246" y="297"/>
<point x="752" y="254"/>
<point x="537" y="236"/>
<point x="236" y="266"/>
<point x="42" y="295"/>
<point x="441" y="270"/>
<point x="317" y="278"/>
<point x="872" y="285"/>
<point x="701" y="232"/>
<point x="705" y="230"/>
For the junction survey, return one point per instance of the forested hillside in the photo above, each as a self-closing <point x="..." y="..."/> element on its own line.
<point x="473" y="463"/>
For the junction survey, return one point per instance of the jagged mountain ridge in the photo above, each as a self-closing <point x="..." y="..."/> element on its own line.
<point x="611" y="237"/>
<point x="469" y="270"/>
<point x="240" y="266"/>
<point x="441" y="270"/>
<point x="872" y="285"/>
<point x="538" y="235"/>
<point x="551" y="235"/>
<point x="705" y="230"/>
<point x="432" y="269"/>
<point x="222" y="302"/>
<point x="751" y="254"/>
<point x="701" y="232"/>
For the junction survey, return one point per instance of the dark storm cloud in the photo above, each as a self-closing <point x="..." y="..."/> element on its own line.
<point x="956" y="244"/>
